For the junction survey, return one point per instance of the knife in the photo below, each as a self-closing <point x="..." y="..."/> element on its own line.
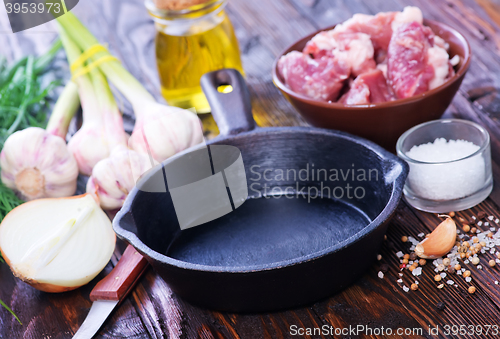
<point x="111" y="290"/>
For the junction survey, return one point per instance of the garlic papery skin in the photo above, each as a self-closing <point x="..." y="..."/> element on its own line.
<point x="57" y="245"/>
<point x="163" y="131"/>
<point x="38" y="164"/>
<point x="114" y="177"/>
<point x="102" y="127"/>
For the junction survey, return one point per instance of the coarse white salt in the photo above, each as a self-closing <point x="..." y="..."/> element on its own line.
<point x="497" y="221"/>
<point x="448" y="179"/>
<point x="479" y="223"/>
<point x="479" y="267"/>
<point x="405" y="288"/>
<point x="400" y="254"/>
<point x="490" y="217"/>
<point x="468" y="279"/>
<point x="486" y="224"/>
<point x="400" y="281"/>
<point x="417" y="271"/>
<point x="450" y="282"/>
<point x="443" y="275"/>
<point x="381" y="275"/>
<point x="420" y="235"/>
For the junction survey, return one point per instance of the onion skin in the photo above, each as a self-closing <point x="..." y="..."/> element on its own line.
<point x="44" y="287"/>
<point x="44" y="155"/>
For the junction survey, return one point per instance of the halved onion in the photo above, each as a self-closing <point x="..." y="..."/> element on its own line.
<point x="57" y="245"/>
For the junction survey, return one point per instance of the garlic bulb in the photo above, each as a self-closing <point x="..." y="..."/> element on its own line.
<point x="57" y="245"/>
<point x="114" y="177"/>
<point x="164" y="131"/>
<point x="38" y="164"/>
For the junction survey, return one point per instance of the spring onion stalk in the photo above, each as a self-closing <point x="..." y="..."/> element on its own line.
<point x="160" y="131"/>
<point x="102" y="128"/>
<point x="116" y="73"/>
<point x="64" y="110"/>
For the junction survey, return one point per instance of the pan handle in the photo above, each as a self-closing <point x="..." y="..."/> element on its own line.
<point x="232" y="111"/>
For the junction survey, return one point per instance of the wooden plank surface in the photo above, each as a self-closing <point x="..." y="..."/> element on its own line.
<point x="264" y="28"/>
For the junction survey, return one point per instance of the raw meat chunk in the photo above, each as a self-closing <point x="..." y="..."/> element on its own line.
<point x="368" y="88"/>
<point x="407" y="68"/>
<point x="378" y="27"/>
<point x="320" y="79"/>
<point x="355" y="49"/>
<point x="438" y="58"/>
<point x="409" y="14"/>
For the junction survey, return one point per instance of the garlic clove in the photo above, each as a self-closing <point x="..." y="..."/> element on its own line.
<point x="439" y="242"/>
<point x="38" y="164"/>
<point x="114" y="177"/>
<point x="57" y="245"/>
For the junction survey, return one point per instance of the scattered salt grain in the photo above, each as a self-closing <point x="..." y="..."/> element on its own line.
<point x="473" y="217"/>
<point x="468" y="279"/>
<point x="479" y="267"/>
<point x="417" y="271"/>
<point x="443" y="275"/>
<point x="487" y="224"/>
<point x="490" y="217"/>
<point x="400" y="254"/>
<point x="479" y="223"/>
<point x="420" y="235"/>
<point x="497" y="221"/>
<point x="400" y="281"/>
<point x="405" y="288"/>
<point x="450" y="282"/>
<point x="381" y="275"/>
<point x="466" y="262"/>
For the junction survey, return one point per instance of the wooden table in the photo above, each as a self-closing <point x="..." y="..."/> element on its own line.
<point x="264" y="28"/>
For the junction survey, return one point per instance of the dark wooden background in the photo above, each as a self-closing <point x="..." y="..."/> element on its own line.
<point x="264" y="28"/>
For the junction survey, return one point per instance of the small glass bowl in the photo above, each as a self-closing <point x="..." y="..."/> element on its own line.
<point x="455" y="185"/>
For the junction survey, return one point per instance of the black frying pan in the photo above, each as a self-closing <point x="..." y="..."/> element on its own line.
<point x="271" y="252"/>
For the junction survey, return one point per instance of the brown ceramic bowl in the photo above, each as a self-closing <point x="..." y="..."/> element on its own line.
<point x="382" y="122"/>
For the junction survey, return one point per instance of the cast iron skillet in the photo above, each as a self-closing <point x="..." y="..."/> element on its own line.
<point x="270" y="253"/>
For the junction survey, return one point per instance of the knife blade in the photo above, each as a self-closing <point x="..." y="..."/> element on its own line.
<point x="111" y="290"/>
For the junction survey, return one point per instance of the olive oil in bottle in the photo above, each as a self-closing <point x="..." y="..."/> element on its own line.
<point x="190" y="43"/>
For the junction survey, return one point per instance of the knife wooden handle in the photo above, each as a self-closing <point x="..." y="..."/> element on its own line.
<point x="117" y="284"/>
